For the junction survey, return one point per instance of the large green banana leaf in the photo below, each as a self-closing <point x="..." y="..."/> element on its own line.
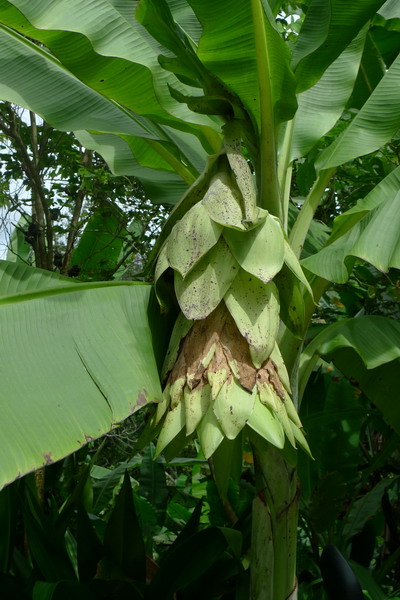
<point x="162" y="186"/>
<point x="328" y="29"/>
<point x="375" y="124"/>
<point x="227" y="49"/>
<point x="328" y="96"/>
<point x="34" y="79"/>
<point x="367" y="350"/>
<point x="390" y="10"/>
<point x="372" y="69"/>
<point x="98" y="91"/>
<point x="31" y="77"/>
<point x="75" y="360"/>
<point x="110" y="53"/>
<point x="369" y="230"/>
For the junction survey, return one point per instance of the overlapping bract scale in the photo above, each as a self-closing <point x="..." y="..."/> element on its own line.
<point x="214" y="389"/>
<point x="224" y="373"/>
<point x="255" y="307"/>
<point x="200" y="292"/>
<point x="259" y="251"/>
<point x="191" y="238"/>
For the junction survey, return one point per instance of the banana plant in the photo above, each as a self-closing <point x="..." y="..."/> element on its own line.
<point x="215" y="106"/>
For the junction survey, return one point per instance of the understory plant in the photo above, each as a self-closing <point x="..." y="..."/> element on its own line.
<point x="241" y="114"/>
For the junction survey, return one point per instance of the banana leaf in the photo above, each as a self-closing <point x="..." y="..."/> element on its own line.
<point x="76" y="359"/>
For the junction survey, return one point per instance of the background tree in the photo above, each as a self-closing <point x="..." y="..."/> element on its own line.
<point x="79" y="193"/>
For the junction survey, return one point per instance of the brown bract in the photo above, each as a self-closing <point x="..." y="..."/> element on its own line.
<point x="269" y="374"/>
<point x="215" y="345"/>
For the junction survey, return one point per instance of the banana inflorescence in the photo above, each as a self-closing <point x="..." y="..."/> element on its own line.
<point x="235" y="277"/>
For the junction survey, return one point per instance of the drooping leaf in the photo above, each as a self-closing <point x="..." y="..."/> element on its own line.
<point x="368" y="231"/>
<point x="390" y="10"/>
<point x="375" y="339"/>
<point x="383" y="192"/>
<point x="374" y="125"/>
<point x="107" y="52"/>
<point x="327" y="30"/>
<point x="35" y="80"/>
<point x="91" y="363"/>
<point x="185" y="17"/>
<point x="327" y="97"/>
<point x="372" y="69"/>
<point x="227" y="49"/>
<point x="366" y="349"/>
<point x="111" y="82"/>
<point x="379" y="242"/>
<point x="156" y="16"/>
<point x="164" y="187"/>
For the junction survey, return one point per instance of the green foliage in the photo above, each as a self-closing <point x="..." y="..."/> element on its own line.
<point x="316" y="112"/>
<point x="351" y="487"/>
<point x="71" y="547"/>
<point x="76" y="187"/>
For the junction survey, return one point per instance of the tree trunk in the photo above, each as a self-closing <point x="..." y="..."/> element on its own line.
<point x="274" y="534"/>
